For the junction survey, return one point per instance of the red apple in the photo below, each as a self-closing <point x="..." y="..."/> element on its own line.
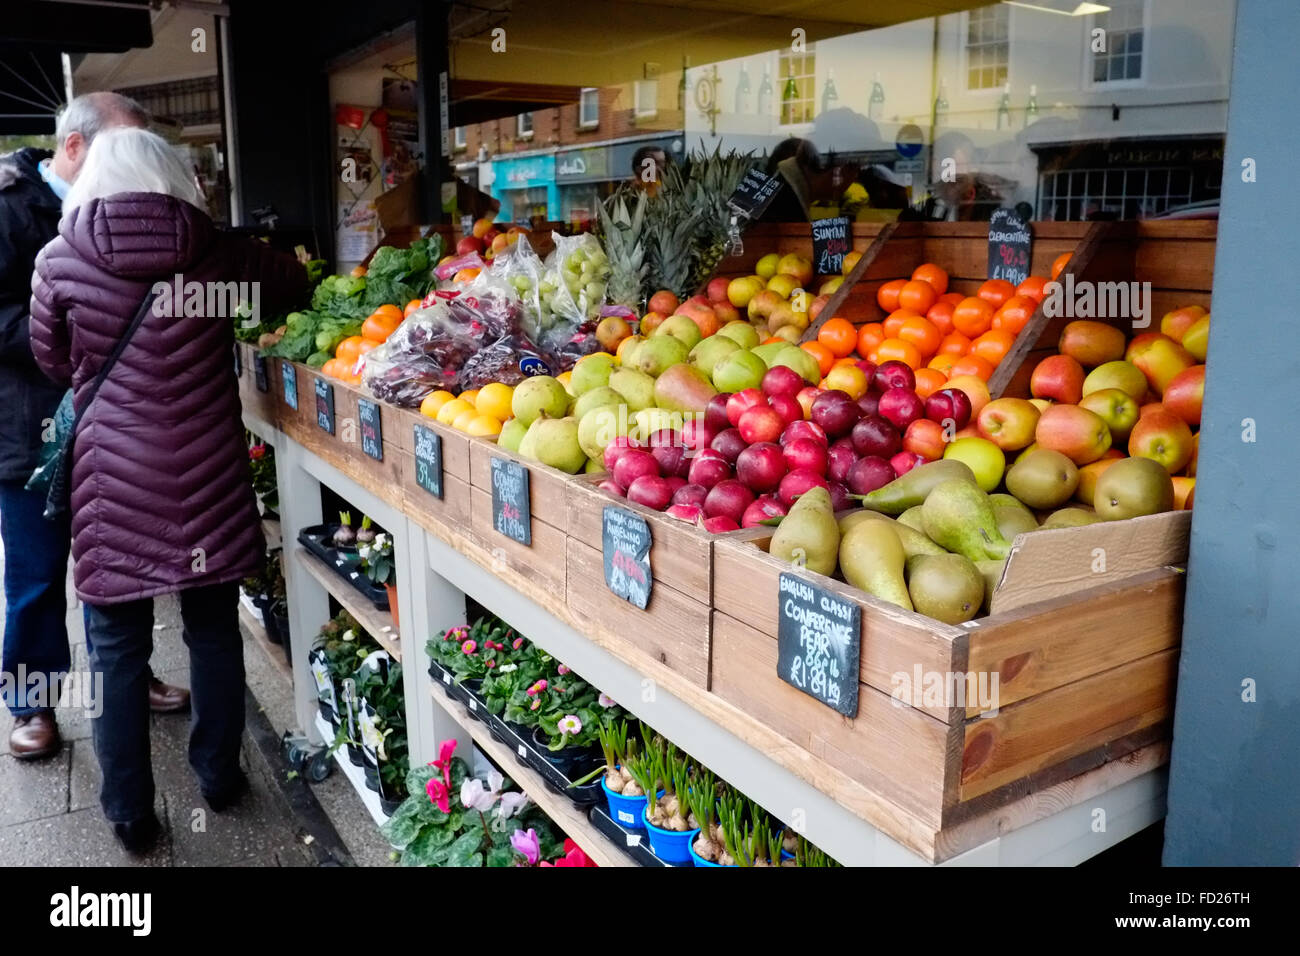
<point x="797" y="482"/>
<point x="803" y="429"/>
<point x="728" y="498"/>
<point x="716" y="290"/>
<point x="1162" y="437"/>
<point x="893" y="374"/>
<point x="738" y="403"/>
<point x="708" y="468"/>
<point x="1009" y="423"/>
<point x="904" y="462"/>
<point x="875" y="435"/>
<point x="760" y="424"/>
<point x="715" y="413"/>
<point x="1078" y="434"/>
<point x="469" y="244"/>
<point x="762" y="508"/>
<point x="870" y="473"/>
<point x="633" y="464"/>
<point x="835" y="412"/>
<point x="806" y="453"/>
<point x="761" y="466"/>
<point x="839" y="459"/>
<point x="926" y="439"/>
<point x="949" y="403"/>
<point x="613" y="487"/>
<point x="902" y="406"/>
<point x="782" y="380"/>
<point x="1159" y="357"/>
<point x="720" y="524"/>
<point x="1059" y="378"/>
<point x="1185" y="393"/>
<point x="651" y="491"/>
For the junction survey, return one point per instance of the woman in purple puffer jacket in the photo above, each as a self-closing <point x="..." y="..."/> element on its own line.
<point x="162" y="500"/>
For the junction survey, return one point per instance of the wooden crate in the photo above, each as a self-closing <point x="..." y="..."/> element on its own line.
<point x="675" y="627"/>
<point x="1083" y="677"/>
<point x="451" y="512"/>
<point x="263" y="405"/>
<point x="546" y="558"/>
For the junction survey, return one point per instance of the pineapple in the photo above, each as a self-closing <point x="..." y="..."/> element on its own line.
<point x="623" y="235"/>
<point x="673" y="220"/>
<point x="713" y="179"/>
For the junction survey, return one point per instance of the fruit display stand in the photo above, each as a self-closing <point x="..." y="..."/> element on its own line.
<point x="931" y="785"/>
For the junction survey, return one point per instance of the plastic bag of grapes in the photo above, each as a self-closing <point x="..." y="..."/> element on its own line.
<point x="572" y="289"/>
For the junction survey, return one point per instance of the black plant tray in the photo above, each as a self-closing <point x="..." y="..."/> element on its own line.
<point x="635" y="843"/>
<point x="520" y="740"/>
<point x="344" y="562"/>
<point x="447" y="679"/>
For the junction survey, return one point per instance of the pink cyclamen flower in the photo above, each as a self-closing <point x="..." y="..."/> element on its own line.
<point x="605" y="700"/>
<point x="438" y="794"/>
<point x="443" y="762"/>
<point x="469" y="647"/>
<point x="257" y="452"/>
<point x="564" y="668"/>
<point x="517" y="643"/>
<point x="527" y="844"/>
<point x="570" y="724"/>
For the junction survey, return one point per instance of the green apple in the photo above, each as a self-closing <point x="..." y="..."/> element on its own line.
<point x="740" y="332"/>
<point x="802" y="362"/>
<point x="738" y="371"/>
<point x="983" y="457"/>
<point x="682" y="328"/>
<point x="1117" y="409"/>
<point x="1119" y="374"/>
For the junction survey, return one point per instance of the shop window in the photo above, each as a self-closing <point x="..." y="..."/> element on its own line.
<point x="645" y="99"/>
<point x="1124" y="27"/>
<point x="524" y="125"/>
<point x="589" y="108"/>
<point x="458" y="137"/>
<point x="988" y="46"/>
<point x="1118" y="193"/>
<point x="798" y="86"/>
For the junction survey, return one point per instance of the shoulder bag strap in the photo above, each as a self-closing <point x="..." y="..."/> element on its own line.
<point x="113" y="356"/>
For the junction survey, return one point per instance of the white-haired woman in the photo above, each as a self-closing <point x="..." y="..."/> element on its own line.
<point x="161" y="495"/>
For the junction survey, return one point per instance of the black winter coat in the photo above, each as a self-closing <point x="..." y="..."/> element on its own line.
<point x="29" y="218"/>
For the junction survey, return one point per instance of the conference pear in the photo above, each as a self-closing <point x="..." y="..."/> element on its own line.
<point x="808" y="535"/>
<point x="912" y="488"/>
<point x="959" y="517"/>
<point x="872" y="559"/>
<point x="946" y="587"/>
<point x="914" y="542"/>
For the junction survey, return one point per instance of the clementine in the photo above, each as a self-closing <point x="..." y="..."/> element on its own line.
<point x="887" y="294"/>
<point x="996" y="291"/>
<point x="839" y="336"/>
<point x="974" y="316"/>
<point x="931" y="273"/>
<point x="917" y="295"/>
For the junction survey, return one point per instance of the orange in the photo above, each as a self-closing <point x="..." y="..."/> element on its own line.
<point x="887" y="294"/>
<point x="434" y="401"/>
<point x="929" y="272"/>
<point x="929" y="380"/>
<point x="411" y="306"/>
<point x="973" y="317"/>
<point x="471" y="396"/>
<point x="954" y="344"/>
<point x="993" y="345"/>
<point x="996" y="291"/>
<point x="465" y="275"/>
<point x="918" y="295"/>
<point x="1033" y="288"/>
<point x="1060" y="262"/>
<point x="354" y="379"/>
<point x="379" y="326"/>
<point x="1015" y="314"/>
<point x="897" y="350"/>
<point x="839" y="336"/>
<point x="940" y="316"/>
<point x="772" y="338"/>
<point x="941" y="363"/>
<point x="869" y="336"/>
<point x="330" y="369"/>
<point x="847" y="360"/>
<point x="952" y="298"/>
<point x="981" y="368"/>
<point x="349" y="351"/>
<point x="921" y="333"/>
<point x="390" y="311"/>
<point x="483" y="426"/>
<point x="824" y="356"/>
<point x="895" y="321"/>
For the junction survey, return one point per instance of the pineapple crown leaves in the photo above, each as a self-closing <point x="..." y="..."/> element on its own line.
<point x="623" y="237"/>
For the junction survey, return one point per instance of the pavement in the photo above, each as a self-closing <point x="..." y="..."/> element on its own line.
<point x="49" y="809"/>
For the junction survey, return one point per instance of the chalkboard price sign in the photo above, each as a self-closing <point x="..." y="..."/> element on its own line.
<point x="372" y="432"/>
<point x="325" y="405"/>
<point x="511" y="515"/>
<point x="259" y="373"/>
<point x="239" y="362"/>
<point x="1010" y="245"/>
<point x="755" y="193"/>
<point x="428" y="460"/>
<point x="830" y="244"/>
<point x="289" y="378"/>
<point x="626" y="543"/>
<point x="819" y="640"/>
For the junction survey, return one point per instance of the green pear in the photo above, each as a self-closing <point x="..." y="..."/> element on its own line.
<point x="872" y="559"/>
<point x="946" y="587"/>
<point x="808" y="536"/>
<point x="1043" y="479"/>
<point x="650" y="420"/>
<point x="991" y="571"/>
<point x="912" y="518"/>
<point x="738" y="370"/>
<point x="528" y="444"/>
<point x="742" y="333"/>
<point x="636" y="387"/>
<point x="591" y="372"/>
<point x="1071" y="518"/>
<point x="801" y="361"/>
<point x="539" y="395"/>
<point x="711" y="351"/>
<point x="594" y="466"/>
<point x="959" y="518"/>
<point x="1133" y="487"/>
<point x="911" y="489"/>
<point x="557" y="444"/>
<point x="600" y="426"/>
<point x="660" y="352"/>
<point x="769" y="352"/>
<point x="512" y="433"/>
<point x="1014" y="519"/>
<point x="602" y="395"/>
<point x="682" y="328"/>
<point x="914" y="542"/>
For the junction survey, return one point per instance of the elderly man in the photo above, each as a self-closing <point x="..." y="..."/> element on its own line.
<point x="35" y="652"/>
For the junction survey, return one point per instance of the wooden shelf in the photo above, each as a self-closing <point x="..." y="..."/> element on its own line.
<point x="378" y="624"/>
<point x="568" y="817"/>
<point x="273" y="651"/>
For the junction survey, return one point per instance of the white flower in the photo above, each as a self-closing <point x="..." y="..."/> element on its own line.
<point x="381" y="540"/>
<point x="507" y="668"/>
<point x="474" y="796"/>
<point x="570" y="724"/>
<point x="511" y="803"/>
<point x="364" y="551"/>
<point x="349" y="635"/>
<point x="606" y="701"/>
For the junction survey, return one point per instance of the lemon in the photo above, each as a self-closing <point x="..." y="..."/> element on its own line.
<point x="470" y="396"/>
<point x="564" y="378"/>
<point x="494" y="400"/>
<point x="483" y="426"/>
<point x="449" y="411"/>
<point x="461" y="421"/>
<point x="434" y="401"/>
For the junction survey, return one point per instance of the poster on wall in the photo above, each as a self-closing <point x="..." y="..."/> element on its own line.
<point x="400" y="132"/>
<point x="358" y="230"/>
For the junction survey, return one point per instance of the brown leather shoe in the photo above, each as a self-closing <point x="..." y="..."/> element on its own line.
<point x="167" y="699"/>
<point x="35" y="737"/>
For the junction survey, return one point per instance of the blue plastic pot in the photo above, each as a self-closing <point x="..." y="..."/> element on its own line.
<point x="699" y="860"/>
<point x="669" y="845"/>
<point x="627" y="812"/>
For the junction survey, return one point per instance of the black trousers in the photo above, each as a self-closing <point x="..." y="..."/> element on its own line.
<point x="120" y="638"/>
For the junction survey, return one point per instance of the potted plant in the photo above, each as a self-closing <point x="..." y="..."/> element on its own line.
<point x="452" y="818"/>
<point x="261" y="459"/>
<point x="345" y="538"/>
<point x="377" y="561"/>
<point x="623" y="794"/>
<point x="383" y="729"/>
<point x="668" y="821"/>
<point x="569" y="719"/>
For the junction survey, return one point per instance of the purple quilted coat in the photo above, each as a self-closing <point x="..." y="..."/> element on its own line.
<point x="162" y="498"/>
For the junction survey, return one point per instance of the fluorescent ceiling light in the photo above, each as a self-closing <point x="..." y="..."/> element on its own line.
<point x="1081" y="9"/>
